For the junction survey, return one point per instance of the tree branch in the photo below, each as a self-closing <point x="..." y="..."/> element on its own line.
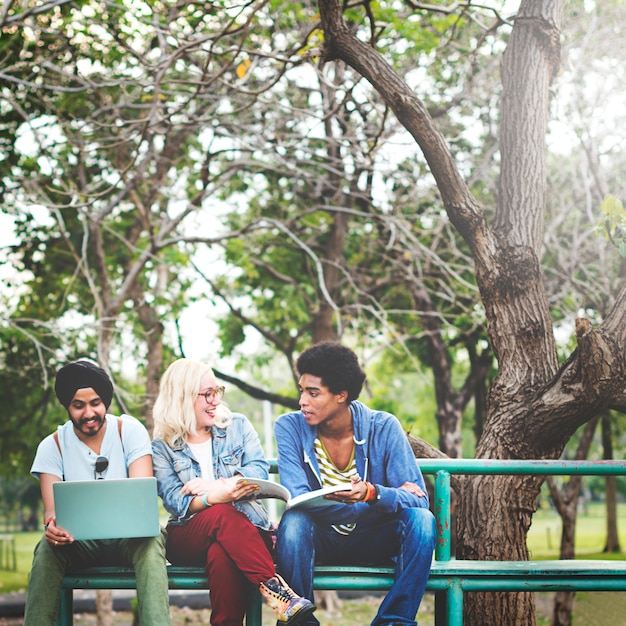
<point x="463" y="210"/>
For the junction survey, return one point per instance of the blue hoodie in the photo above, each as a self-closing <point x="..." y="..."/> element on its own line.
<point x="383" y="457"/>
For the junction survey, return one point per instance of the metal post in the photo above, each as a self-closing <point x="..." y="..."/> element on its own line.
<point x="254" y="612"/>
<point x="442" y="515"/>
<point x="455" y="603"/>
<point x="65" y="616"/>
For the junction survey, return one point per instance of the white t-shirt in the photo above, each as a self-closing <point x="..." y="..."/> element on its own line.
<point x="204" y="455"/>
<point x="77" y="461"/>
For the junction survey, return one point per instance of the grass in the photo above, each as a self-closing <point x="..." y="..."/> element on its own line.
<point x="11" y="581"/>
<point x="544" y="536"/>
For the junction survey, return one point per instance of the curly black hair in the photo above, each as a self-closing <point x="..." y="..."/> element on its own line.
<point x="336" y="365"/>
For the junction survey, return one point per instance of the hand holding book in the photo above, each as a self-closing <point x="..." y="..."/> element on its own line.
<point x="270" y="489"/>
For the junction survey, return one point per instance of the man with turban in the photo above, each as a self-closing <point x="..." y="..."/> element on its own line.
<point x="92" y="445"/>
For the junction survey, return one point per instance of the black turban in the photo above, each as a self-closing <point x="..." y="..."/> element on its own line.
<point x="81" y="375"/>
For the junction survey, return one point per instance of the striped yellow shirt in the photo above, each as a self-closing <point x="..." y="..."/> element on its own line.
<point x="332" y="475"/>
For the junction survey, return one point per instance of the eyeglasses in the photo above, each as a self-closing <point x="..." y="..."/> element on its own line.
<point x="101" y="464"/>
<point x="209" y="394"/>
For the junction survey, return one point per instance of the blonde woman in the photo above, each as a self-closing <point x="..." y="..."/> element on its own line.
<point x="200" y="451"/>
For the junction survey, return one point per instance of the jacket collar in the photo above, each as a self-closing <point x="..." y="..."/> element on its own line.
<point x="361" y="422"/>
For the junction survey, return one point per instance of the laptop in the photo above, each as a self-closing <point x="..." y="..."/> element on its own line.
<point x="107" y="509"/>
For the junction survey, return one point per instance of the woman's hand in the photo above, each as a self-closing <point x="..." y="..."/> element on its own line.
<point x="196" y="487"/>
<point x="222" y="490"/>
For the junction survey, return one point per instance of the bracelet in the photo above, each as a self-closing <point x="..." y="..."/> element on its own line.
<point x="369" y="492"/>
<point x="375" y="497"/>
<point x="48" y="521"/>
<point x="205" y="501"/>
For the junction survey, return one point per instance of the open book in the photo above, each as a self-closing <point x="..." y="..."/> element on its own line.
<point x="270" y="489"/>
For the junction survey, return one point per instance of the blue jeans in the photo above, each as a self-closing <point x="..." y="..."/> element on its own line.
<point x="146" y="555"/>
<point x="407" y="538"/>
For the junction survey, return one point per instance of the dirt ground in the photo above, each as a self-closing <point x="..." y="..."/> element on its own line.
<point x="592" y="609"/>
<point x="343" y="612"/>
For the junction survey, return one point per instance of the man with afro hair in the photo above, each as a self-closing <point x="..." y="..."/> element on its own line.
<point x="333" y="439"/>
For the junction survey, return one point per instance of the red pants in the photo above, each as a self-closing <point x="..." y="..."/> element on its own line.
<point x="232" y="551"/>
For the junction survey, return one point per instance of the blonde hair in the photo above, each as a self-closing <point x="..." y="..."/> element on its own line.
<point x="173" y="411"/>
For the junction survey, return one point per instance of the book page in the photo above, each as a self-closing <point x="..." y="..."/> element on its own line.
<point x="266" y="489"/>
<point x="316" y="498"/>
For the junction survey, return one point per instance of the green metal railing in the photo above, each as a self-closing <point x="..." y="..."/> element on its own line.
<point x="444" y="468"/>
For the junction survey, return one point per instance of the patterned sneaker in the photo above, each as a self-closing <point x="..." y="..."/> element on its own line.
<point x="289" y="607"/>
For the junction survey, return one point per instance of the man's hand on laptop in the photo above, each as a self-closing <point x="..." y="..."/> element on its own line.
<point x="56" y="536"/>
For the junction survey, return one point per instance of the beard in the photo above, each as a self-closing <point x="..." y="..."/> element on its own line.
<point x="79" y="425"/>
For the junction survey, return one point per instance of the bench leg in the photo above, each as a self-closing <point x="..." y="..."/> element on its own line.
<point x="455" y="604"/>
<point x="254" y="610"/>
<point x="441" y="608"/>
<point x="65" y="617"/>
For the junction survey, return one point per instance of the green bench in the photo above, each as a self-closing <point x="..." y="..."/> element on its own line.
<point x="451" y="576"/>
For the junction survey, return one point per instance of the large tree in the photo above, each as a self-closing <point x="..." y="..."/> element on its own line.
<point x="148" y="127"/>
<point x="535" y="404"/>
<point x="336" y="260"/>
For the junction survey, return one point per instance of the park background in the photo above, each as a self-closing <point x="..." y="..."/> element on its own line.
<point x="439" y="186"/>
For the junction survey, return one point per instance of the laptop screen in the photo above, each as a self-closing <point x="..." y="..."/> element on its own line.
<point x="107" y="509"/>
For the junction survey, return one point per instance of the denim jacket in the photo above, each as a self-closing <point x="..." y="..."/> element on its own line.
<point x="383" y="456"/>
<point x="236" y="450"/>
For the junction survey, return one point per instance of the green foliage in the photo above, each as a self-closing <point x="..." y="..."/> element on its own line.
<point x="25" y="394"/>
<point x="231" y="334"/>
<point x="404" y="390"/>
<point x="613" y="225"/>
<point x="150" y="132"/>
<point x="20" y="502"/>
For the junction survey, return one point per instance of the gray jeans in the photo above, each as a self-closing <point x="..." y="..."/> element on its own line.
<point x="145" y="555"/>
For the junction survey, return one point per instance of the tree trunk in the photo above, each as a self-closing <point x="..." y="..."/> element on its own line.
<point x="563" y="607"/>
<point x="610" y="490"/>
<point x="503" y="504"/>
<point x="452" y="403"/>
<point x="104" y="607"/>
<point x="566" y="504"/>
<point x="326" y="322"/>
<point x="153" y="331"/>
